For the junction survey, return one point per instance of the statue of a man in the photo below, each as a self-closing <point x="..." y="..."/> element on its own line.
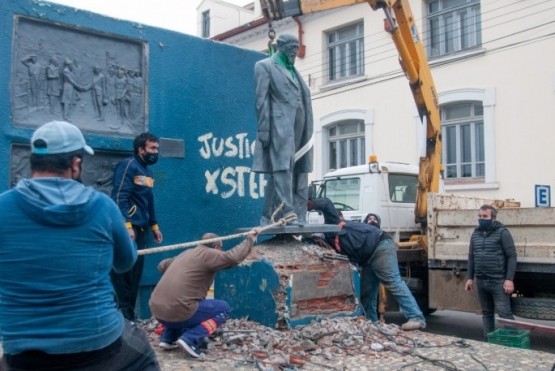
<point x="284" y="138"/>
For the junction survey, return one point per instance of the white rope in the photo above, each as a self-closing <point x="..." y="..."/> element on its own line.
<point x="304" y="149"/>
<point x="282" y="221"/>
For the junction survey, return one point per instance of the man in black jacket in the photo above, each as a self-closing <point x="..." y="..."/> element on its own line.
<point x="133" y="193"/>
<point x="374" y="252"/>
<point x="492" y="262"/>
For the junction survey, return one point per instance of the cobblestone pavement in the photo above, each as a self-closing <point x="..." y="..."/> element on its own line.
<point x="433" y="352"/>
<point x="411" y="351"/>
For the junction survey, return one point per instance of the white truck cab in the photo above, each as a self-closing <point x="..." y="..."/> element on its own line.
<point x="387" y="189"/>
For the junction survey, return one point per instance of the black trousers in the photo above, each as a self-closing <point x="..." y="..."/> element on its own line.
<point x="132" y="351"/>
<point x="127" y="284"/>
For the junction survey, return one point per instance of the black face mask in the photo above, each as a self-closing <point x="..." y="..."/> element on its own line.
<point x="485" y="223"/>
<point x="151" y="158"/>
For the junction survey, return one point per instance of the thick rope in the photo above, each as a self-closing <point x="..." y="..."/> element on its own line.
<point x="272" y="218"/>
<point x="282" y="221"/>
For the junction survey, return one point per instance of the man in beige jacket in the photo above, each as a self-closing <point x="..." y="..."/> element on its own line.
<point x="179" y="300"/>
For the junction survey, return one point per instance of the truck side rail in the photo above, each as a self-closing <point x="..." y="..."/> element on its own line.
<point x="452" y="219"/>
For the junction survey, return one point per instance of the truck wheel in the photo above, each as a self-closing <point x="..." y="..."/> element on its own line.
<point x="534" y="308"/>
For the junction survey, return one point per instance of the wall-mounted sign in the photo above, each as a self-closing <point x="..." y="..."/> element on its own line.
<point x="543" y="195"/>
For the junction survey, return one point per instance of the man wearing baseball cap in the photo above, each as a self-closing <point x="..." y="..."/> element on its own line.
<point x="59" y="241"/>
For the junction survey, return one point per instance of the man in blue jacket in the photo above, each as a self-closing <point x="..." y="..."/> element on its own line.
<point x="132" y="191"/>
<point x="374" y="252"/>
<point x="59" y="240"/>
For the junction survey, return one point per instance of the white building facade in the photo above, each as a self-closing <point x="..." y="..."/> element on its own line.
<point x="493" y="64"/>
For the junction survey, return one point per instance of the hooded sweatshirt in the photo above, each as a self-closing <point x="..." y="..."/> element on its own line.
<point x="58" y="243"/>
<point x="365" y="221"/>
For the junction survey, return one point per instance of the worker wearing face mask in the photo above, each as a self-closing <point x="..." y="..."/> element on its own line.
<point x="492" y="264"/>
<point x="373" y="219"/>
<point x="132" y="191"/>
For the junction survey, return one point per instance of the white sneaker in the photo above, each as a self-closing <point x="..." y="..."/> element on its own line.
<point x="167" y="346"/>
<point x="412" y="324"/>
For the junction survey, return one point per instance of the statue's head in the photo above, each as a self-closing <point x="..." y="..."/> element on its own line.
<point x="289" y="45"/>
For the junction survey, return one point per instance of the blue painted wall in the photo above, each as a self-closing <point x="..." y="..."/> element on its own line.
<point x="197" y="89"/>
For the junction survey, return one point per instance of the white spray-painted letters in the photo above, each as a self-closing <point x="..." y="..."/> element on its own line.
<point x="232" y="180"/>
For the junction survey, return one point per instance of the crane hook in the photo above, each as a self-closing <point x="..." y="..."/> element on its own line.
<point x="271" y="36"/>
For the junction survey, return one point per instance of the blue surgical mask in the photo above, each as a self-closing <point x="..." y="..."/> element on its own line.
<point x="485" y="223"/>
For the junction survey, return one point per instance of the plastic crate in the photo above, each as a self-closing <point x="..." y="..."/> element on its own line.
<point x="510" y="338"/>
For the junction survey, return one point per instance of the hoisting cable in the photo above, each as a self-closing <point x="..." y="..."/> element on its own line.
<point x="271" y="36"/>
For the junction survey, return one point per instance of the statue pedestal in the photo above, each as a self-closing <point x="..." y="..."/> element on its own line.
<point x="290" y="283"/>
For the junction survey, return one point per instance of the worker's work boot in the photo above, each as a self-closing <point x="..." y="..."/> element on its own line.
<point x="412" y="324"/>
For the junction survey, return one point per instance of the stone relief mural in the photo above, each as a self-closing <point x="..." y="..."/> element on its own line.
<point x="98" y="170"/>
<point x="93" y="80"/>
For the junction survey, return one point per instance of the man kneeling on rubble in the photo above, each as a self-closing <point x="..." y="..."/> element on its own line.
<point x="179" y="300"/>
<point x="373" y="251"/>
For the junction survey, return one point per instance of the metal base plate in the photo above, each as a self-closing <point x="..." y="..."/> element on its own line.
<point x="297" y="229"/>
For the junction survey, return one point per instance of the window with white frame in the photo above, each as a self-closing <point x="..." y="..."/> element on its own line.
<point x="346" y="144"/>
<point x="463" y="140"/>
<point x="206" y="23"/>
<point x="453" y="25"/>
<point x="345" y="52"/>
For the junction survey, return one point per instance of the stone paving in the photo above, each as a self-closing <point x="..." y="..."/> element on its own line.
<point x="433" y="352"/>
<point x="478" y="356"/>
<point x="411" y="351"/>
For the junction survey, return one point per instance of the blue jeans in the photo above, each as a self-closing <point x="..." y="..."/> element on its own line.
<point x="383" y="267"/>
<point x="211" y="313"/>
<point x="493" y="299"/>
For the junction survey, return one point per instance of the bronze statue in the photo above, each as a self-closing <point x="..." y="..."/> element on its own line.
<point x="284" y="138"/>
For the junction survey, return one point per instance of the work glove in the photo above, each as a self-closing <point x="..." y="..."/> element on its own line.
<point x="264" y="138"/>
